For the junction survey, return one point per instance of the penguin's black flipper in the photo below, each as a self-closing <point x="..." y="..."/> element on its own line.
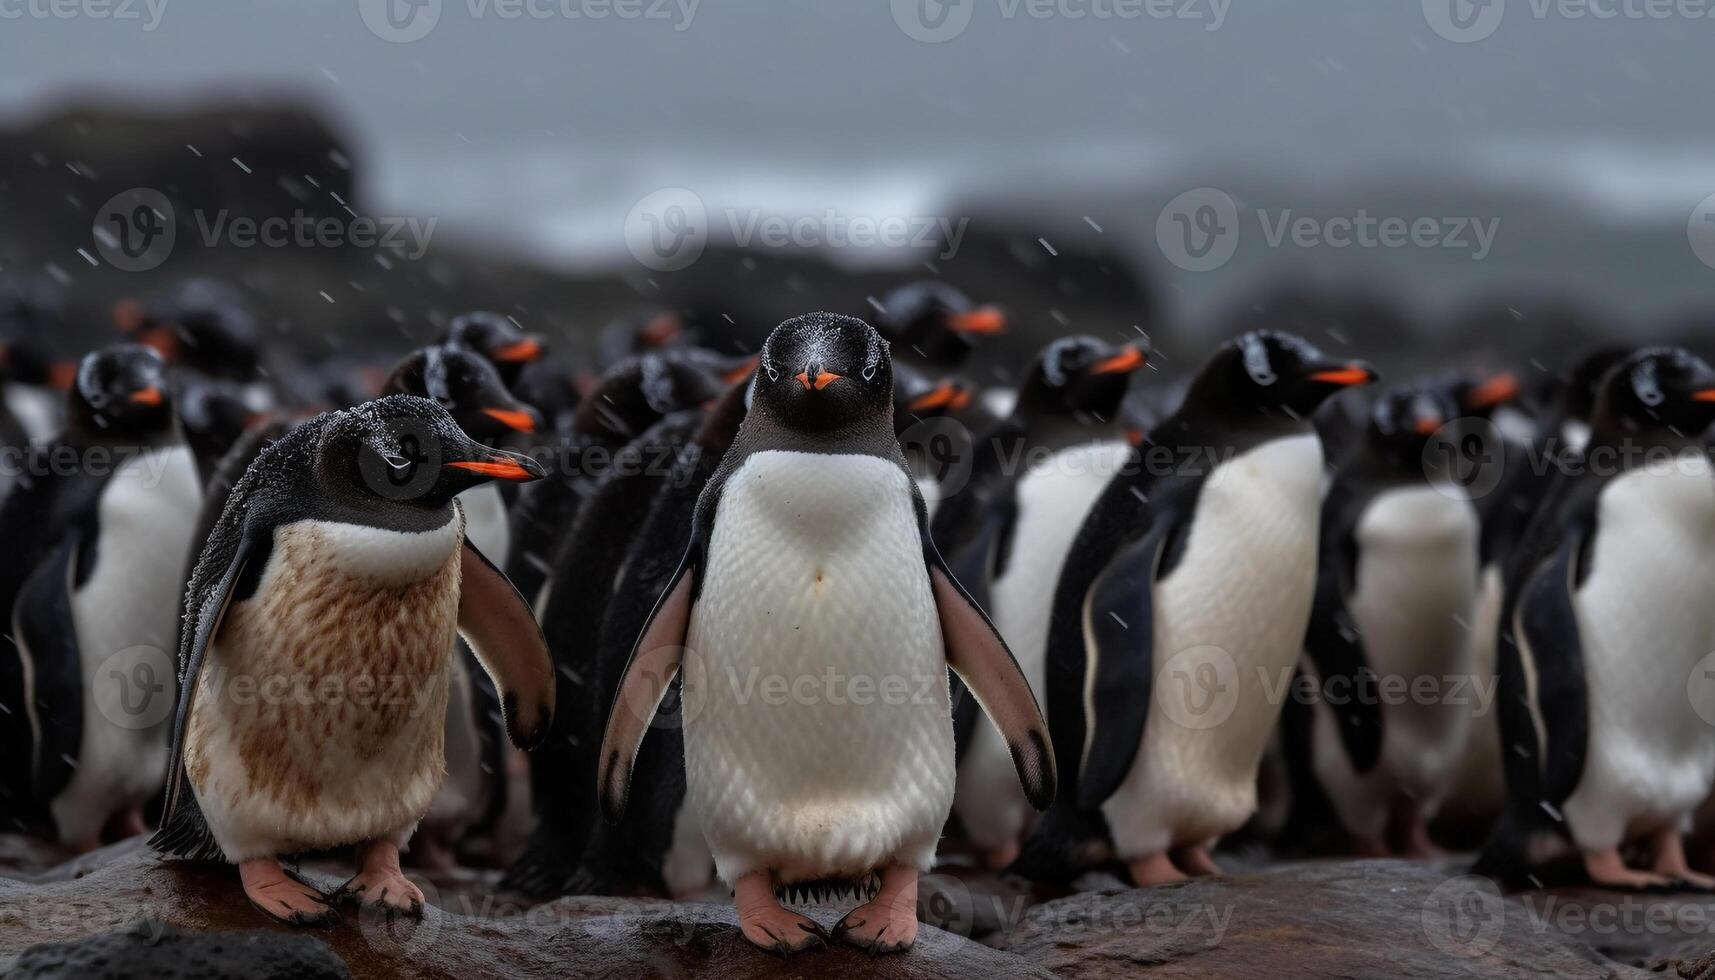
<point x="648" y="676"/>
<point x="229" y="569"/>
<point x="501" y="630"/>
<point x="1545" y="635"/>
<point x="42" y="692"/>
<point x="1331" y="640"/>
<point x="1118" y="620"/>
<point x="976" y="652"/>
<point x="974" y="564"/>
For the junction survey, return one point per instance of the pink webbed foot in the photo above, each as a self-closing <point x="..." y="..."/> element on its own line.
<point x="1670" y="860"/>
<point x="886" y="923"/>
<point x="1608" y="870"/>
<point x="282" y="897"/>
<point x="380" y="884"/>
<point x="1154" y="869"/>
<point x="768" y="926"/>
<point x="1195" y="861"/>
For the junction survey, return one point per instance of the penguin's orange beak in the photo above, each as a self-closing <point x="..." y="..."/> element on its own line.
<point x="1706" y="395"/>
<point x="822" y="379"/>
<point x="518" y="352"/>
<point x="984" y="320"/>
<point x="946" y="395"/>
<point x="1498" y="390"/>
<point x="1427" y="424"/>
<point x="1355" y="373"/>
<point x="736" y="374"/>
<point x="1126" y="361"/>
<point x="662" y="330"/>
<point x="150" y="396"/>
<point x="516" y="420"/>
<point x="499" y="469"/>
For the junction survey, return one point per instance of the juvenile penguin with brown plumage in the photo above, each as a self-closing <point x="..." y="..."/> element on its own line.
<point x="316" y="650"/>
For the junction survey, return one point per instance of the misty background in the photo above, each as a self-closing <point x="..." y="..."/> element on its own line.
<point x="1056" y="132"/>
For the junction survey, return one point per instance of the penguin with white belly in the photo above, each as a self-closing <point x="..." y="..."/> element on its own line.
<point x="1181" y="612"/>
<point x="97" y="536"/>
<point x="1033" y="479"/>
<point x="810" y="571"/>
<point x="1390" y="633"/>
<point x="1606" y="617"/>
<point x="470" y="388"/>
<point x="316" y="652"/>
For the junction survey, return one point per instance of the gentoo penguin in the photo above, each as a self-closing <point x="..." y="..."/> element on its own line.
<point x="1032" y="481"/>
<point x="658" y="848"/>
<point x="97" y="538"/>
<point x="636" y="334"/>
<point x="1606" y="615"/>
<point x="315" y="652"/>
<point x="934" y="324"/>
<point x="204" y="326"/>
<point x="214" y="416"/>
<point x="1395" y="596"/>
<point x="632" y="396"/>
<point x="32" y="384"/>
<point x="469" y="387"/>
<point x="932" y="450"/>
<point x="1183" y="599"/>
<point x="810" y="564"/>
<point x="497" y="339"/>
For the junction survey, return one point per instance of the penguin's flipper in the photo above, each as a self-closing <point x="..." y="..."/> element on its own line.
<point x="647" y="678"/>
<point x="1118" y="619"/>
<point x="214" y="586"/>
<point x="1332" y="641"/>
<point x="501" y="630"/>
<point x="1545" y="633"/>
<point x="43" y="687"/>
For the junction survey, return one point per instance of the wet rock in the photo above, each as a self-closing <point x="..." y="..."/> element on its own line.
<point x="1358" y="919"/>
<point x="151" y="949"/>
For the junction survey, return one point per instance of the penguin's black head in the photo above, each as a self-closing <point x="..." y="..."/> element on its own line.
<point x="205" y="325"/>
<point x="1273" y="373"/>
<point x="638" y="391"/>
<point x="121" y="390"/>
<point x="1478" y="393"/>
<point x="824" y="371"/>
<point x="1658" y="387"/>
<point x="469" y="387"/>
<point x="408" y="451"/>
<point x="496" y="338"/>
<point x="1403" y="420"/>
<point x="918" y="396"/>
<point x="1081" y="377"/>
<point x="214" y="414"/>
<point x="936" y="321"/>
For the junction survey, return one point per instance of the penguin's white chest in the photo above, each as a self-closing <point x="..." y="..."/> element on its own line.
<point x="320" y="717"/>
<point x="1645" y="619"/>
<point x="818" y="734"/>
<point x="126" y="615"/>
<point x="486" y="522"/>
<point x="1052" y="501"/>
<point x="1229" y="624"/>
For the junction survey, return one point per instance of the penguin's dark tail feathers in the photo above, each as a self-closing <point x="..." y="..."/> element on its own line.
<point x="543" y="870"/>
<point x="185" y="834"/>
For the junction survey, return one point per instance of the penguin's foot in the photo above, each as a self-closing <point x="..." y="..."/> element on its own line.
<point x="1195" y="861"/>
<point x="381" y="885"/>
<point x="1154" y="869"/>
<point x="433" y="855"/>
<point x="768" y="926"/>
<point x="886" y="923"/>
<point x="1001" y="857"/>
<point x="1670" y="860"/>
<point x="1605" y="868"/>
<point x="128" y="823"/>
<point x="1417" y="842"/>
<point x="283" y="898"/>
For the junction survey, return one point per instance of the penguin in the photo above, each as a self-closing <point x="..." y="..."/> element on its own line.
<point x="340" y="557"/>
<point x="658" y="848"/>
<point x="934" y="324"/>
<point x="214" y="416"/>
<point x="204" y="326"/>
<point x="1606" y="615"/>
<point x="496" y="338"/>
<point x="97" y="536"/>
<point x="1184" y="597"/>
<point x="470" y="388"/>
<point x="640" y="333"/>
<point x="1396" y="595"/>
<point x="932" y="449"/>
<point x="809" y="558"/>
<point x="1034" y="477"/>
<point x="32" y="383"/>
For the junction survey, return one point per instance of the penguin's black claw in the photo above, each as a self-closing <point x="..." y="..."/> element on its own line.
<point x="815" y="929"/>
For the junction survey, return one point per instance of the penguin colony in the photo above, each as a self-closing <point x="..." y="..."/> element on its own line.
<point x="724" y="619"/>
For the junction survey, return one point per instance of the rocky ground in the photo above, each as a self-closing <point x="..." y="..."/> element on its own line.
<point x="124" y="912"/>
